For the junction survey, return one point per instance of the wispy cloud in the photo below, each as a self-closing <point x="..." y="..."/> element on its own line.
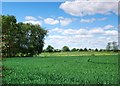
<point x="109" y="27"/>
<point x="90" y="20"/>
<point x="51" y="21"/>
<point x="66" y="21"/>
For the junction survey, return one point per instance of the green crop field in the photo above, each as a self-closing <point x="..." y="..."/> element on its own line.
<point x="61" y="69"/>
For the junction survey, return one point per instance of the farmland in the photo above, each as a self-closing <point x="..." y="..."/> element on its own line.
<point x="62" y="68"/>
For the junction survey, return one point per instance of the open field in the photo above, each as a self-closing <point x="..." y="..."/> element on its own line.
<point x="98" y="69"/>
<point x="81" y="53"/>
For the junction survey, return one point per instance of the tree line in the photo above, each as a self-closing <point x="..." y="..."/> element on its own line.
<point x="20" y="39"/>
<point x="67" y="49"/>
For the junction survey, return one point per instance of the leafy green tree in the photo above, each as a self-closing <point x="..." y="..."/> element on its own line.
<point x="21" y="39"/>
<point x="49" y="49"/>
<point x="96" y="49"/>
<point x="57" y="50"/>
<point x="74" y="49"/>
<point x="85" y="49"/>
<point x="101" y="50"/>
<point x="32" y="41"/>
<point x="65" y="49"/>
<point x="90" y="49"/>
<point x="9" y="28"/>
<point x="81" y="49"/>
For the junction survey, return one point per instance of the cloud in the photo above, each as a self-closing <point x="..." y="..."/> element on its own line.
<point x="33" y="22"/>
<point x="99" y="0"/>
<point x="97" y="31"/>
<point x="96" y="37"/>
<point x="90" y="20"/>
<point x="30" y="18"/>
<point x="78" y="41"/>
<point x="87" y="20"/>
<point x="75" y="32"/>
<point x="40" y="17"/>
<point x="60" y="20"/>
<point x="65" y="21"/>
<point x="80" y="38"/>
<point x="84" y="31"/>
<point x="102" y="19"/>
<point x="51" y="21"/>
<point x="56" y="37"/>
<point x="60" y="17"/>
<point x="108" y="27"/>
<point x="56" y="30"/>
<point x="81" y="8"/>
<point x="111" y="32"/>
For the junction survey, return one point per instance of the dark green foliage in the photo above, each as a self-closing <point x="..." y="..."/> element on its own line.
<point x="21" y="39"/>
<point x="9" y="28"/>
<point x="85" y="49"/>
<point x="101" y="50"/>
<point x="81" y="49"/>
<point x="74" y="49"/>
<point x="65" y="49"/>
<point x="96" y="49"/>
<point x="49" y="49"/>
<point x="57" y="50"/>
<point x="90" y="49"/>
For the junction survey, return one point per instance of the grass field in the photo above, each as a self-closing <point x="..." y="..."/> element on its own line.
<point x="79" y="53"/>
<point x="62" y="68"/>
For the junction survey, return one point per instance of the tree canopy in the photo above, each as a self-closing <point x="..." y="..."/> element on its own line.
<point x="20" y="39"/>
<point x="49" y="48"/>
<point x="65" y="48"/>
<point x="112" y="46"/>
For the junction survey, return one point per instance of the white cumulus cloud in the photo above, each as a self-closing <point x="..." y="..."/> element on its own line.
<point x="81" y="8"/>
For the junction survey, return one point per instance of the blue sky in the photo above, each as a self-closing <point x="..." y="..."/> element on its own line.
<point x="69" y="23"/>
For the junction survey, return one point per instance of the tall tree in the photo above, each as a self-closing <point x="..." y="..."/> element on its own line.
<point x="20" y="38"/>
<point x="115" y="46"/>
<point x="8" y="35"/>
